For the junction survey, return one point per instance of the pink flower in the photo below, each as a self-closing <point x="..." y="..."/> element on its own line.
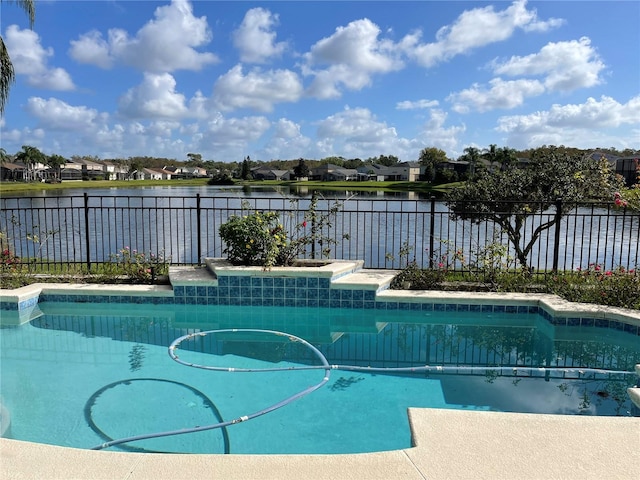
<point x="608" y="273"/>
<point x="441" y="265"/>
<point x="304" y="224"/>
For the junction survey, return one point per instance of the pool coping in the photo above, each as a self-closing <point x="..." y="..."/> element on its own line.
<point x="339" y="276"/>
<point x="447" y="443"/>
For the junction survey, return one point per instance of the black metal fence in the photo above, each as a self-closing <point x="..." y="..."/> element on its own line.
<point x="385" y="233"/>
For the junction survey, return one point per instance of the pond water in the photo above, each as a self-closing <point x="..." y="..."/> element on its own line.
<point x="166" y="219"/>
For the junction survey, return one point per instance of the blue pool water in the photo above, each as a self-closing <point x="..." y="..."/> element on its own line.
<point x="82" y="374"/>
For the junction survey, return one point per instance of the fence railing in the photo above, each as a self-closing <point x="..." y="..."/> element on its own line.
<point x="85" y="230"/>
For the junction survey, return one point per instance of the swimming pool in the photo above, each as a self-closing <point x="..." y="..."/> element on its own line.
<point x="80" y="374"/>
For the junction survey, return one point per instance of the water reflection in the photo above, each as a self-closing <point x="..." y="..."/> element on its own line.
<point x="487" y="361"/>
<point x="185" y="227"/>
<point x="268" y="191"/>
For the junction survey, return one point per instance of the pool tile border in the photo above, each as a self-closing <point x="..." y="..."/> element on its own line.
<point x="345" y="285"/>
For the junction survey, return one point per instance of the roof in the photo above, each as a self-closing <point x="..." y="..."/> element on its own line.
<point x="13" y="166"/>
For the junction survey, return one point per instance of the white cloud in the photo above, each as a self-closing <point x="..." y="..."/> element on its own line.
<point x="11" y="136"/>
<point x="354" y="53"/>
<point x="57" y="115"/>
<point x="501" y="94"/>
<point x="287" y="142"/>
<point x="256" y="90"/>
<point x="357" y="124"/>
<point x="476" y="28"/>
<point x="229" y="139"/>
<point x="163" y="129"/>
<point x="418" y="104"/>
<point x="154" y="97"/>
<point x="436" y="134"/>
<point x="571" y="124"/>
<point x="566" y="65"/>
<point x="234" y="131"/>
<point x="165" y="44"/>
<point x="91" y="49"/>
<point x="286" y="129"/>
<point x="356" y="133"/>
<point x="255" y="38"/>
<point x="29" y="58"/>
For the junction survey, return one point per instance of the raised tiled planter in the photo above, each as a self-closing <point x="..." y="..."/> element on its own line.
<point x="309" y="284"/>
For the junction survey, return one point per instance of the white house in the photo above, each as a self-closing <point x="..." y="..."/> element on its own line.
<point x="114" y="171"/>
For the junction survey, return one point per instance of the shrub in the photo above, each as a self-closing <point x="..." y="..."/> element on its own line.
<point x="616" y="287"/>
<point x="221" y="179"/>
<point x="138" y="266"/>
<point x="254" y="239"/>
<point x="9" y="262"/>
<point x="261" y="238"/>
<point x="414" y="277"/>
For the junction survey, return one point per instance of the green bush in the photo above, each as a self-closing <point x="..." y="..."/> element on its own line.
<point x="412" y="277"/>
<point x="617" y="287"/>
<point x="137" y="266"/>
<point x="254" y="239"/>
<point x="261" y="239"/>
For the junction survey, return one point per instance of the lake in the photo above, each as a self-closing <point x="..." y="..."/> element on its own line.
<point x="170" y="219"/>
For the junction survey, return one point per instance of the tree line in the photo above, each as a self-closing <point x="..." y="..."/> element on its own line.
<point x="438" y="167"/>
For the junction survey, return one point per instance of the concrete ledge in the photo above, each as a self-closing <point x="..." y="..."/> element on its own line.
<point x="366" y="280"/>
<point x="449" y="444"/>
<point x="324" y="269"/>
<point x="192" y="276"/>
<point x="494" y="445"/>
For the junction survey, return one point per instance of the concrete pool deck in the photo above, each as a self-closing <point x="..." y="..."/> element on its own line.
<point x="449" y="444"/>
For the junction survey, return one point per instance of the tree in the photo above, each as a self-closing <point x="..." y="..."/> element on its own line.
<point x="30" y="157"/>
<point x="134" y="166"/>
<point x="195" y="160"/>
<point x="301" y="170"/>
<point x="245" y="172"/>
<point x="55" y="162"/>
<point x="4" y="158"/>
<point x="7" y="73"/>
<point x="499" y="158"/>
<point x="386" y="160"/>
<point x="508" y="198"/>
<point x="471" y="155"/>
<point x="430" y="158"/>
<point x="353" y="163"/>
<point x="337" y="161"/>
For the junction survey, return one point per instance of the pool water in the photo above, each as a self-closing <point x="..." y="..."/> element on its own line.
<point x="79" y="375"/>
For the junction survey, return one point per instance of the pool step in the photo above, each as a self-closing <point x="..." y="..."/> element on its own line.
<point x="369" y="279"/>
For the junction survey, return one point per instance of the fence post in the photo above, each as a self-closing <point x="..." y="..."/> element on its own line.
<point x="432" y="226"/>
<point x="313" y="236"/>
<point x="86" y="230"/>
<point x="556" y="239"/>
<point x="199" y="229"/>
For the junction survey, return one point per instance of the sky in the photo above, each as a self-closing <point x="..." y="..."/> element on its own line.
<point x="315" y="79"/>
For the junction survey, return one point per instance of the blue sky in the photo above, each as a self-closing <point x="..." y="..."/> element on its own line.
<point x="284" y="80"/>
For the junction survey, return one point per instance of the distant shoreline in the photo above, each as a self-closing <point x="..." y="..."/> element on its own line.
<point x="7" y="188"/>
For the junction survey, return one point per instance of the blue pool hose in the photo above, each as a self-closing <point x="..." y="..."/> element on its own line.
<point x="327" y="368"/>
<point x="244" y="418"/>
